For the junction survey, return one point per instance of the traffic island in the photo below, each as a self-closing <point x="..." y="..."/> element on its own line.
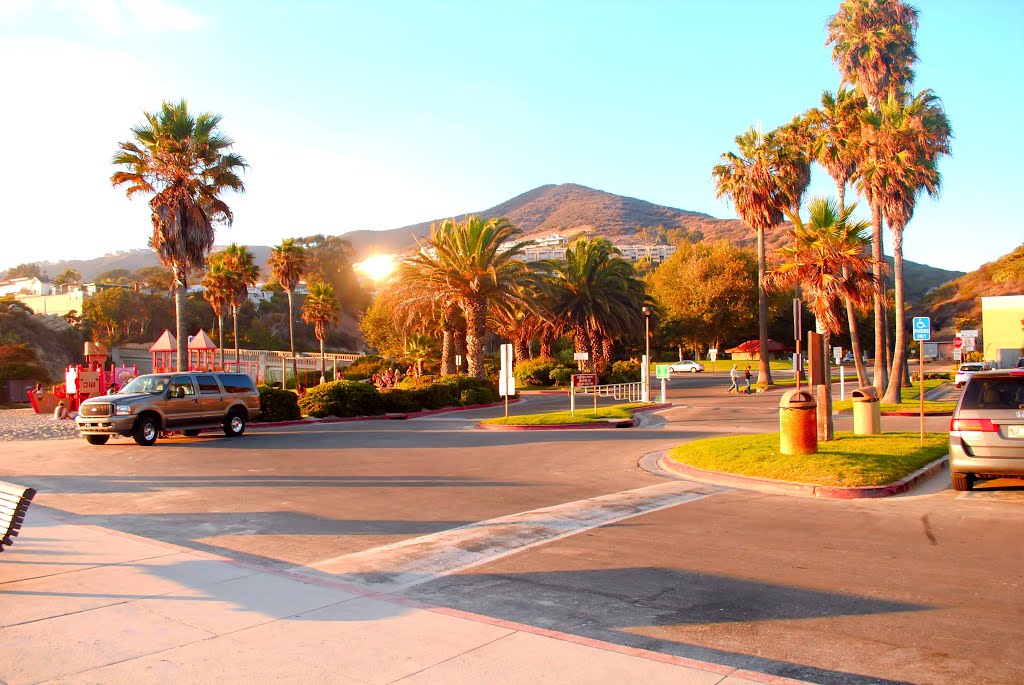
<point x="851" y="466"/>
<point x="620" y="416"/>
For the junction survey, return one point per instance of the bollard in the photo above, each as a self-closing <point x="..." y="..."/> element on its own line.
<point x="867" y="411"/>
<point x="798" y="432"/>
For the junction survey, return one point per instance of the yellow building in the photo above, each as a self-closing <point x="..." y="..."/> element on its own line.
<point x="1002" y="329"/>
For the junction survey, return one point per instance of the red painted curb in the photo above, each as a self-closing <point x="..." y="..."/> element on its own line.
<point x="618" y="423"/>
<point x="803" y="489"/>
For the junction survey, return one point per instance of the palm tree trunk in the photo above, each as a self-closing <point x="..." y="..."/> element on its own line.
<point x="879" y="298"/>
<point x="447" y="351"/>
<point x="607" y="349"/>
<point x="476" y="320"/>
<point x="580" y="344"/>
<point x="892" y="392"/>
<point x="594" y="340"/>
<point x="180" y="324"/>
<point x="851" y="312"/>
<point x="291" y="342"/>
<point x="220" y="337"/>
<point x="522" y="348"/>
<point x="546" y="345"/>
<point x="323" y="378"/>
<point x="764" y="373"/>
<point x="830" y="428"/>
<point x="234" y="327"/>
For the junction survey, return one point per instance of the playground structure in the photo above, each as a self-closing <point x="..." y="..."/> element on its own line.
<point x="202" y="356"/>
<point x="82" y="381"/>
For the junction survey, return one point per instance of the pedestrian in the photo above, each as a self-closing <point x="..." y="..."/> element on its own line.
<point x="734" y="377"/>
<point x="746" y="377"/>
<point x="60" y="412"/>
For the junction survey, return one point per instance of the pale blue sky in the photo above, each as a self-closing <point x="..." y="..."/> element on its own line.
<point x="371" y="115"/>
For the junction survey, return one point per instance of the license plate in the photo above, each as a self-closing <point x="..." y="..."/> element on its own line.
<point x="1015" y="431"/>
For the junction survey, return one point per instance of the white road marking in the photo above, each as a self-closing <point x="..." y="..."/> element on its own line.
<point x="418" y="560"/>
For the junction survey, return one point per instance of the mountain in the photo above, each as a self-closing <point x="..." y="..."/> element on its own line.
<point x="567" y="208"/>
<point x="960" y="298"/>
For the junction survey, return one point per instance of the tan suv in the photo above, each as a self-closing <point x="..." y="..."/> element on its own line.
<point x="155" y="403"/>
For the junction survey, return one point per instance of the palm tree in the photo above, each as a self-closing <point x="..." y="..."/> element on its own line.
<point x="873" y="44"/>
<point x="419" y="348"/>
<point x="68" y="276"/>
<point x="217" y="289"/>
<point x="288" y="263"/>
<point x="905" y="140"/>
<point x="763" y="181"/>
<point x="472" y="263"/>
<point x="828" y="259"/>
<point x="240" y="265"/>
<point x="834" y="130"/>
<point x="184" y="162"/>
<point x="320" y="308"/>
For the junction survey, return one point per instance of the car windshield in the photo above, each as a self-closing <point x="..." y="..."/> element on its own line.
<point x="972" y="367"/>
<point x="994" y="393"/>
<point x="151" y="385"/>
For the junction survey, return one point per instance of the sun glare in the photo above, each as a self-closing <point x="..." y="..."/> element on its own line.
<point x="377" y="267"/>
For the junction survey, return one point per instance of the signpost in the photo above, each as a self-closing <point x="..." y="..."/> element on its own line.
<point x="663" y="372"/>
<point x="923" y="331"/>
<point x="713" y="356"/>
<point x="581" y="380"/>
<point x="506" y="381"/>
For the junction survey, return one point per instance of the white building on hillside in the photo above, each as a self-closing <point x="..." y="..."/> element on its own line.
<point x="25" y="286"/>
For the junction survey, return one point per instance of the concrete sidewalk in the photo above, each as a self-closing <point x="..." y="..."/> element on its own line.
<point x="83" y="604"/>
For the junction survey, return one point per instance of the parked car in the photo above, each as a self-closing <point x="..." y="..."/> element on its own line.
<point x="986" y="433"/>
<point x="155" y="403"/>
<point x="849" y="358"/>
<point x="688" y="366"/>
<point x="964" y="373"/>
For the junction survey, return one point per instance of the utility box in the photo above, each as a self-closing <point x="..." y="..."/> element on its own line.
<point x="867" y="411"/>
<point x="16" y="390"/>
<point x="798" y="431"/>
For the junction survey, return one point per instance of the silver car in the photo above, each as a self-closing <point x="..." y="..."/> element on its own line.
<point x="986" y="434"/>
<point x="964" y="373"/>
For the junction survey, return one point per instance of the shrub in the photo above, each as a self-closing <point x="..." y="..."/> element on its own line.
<point x="936" y="375"/>
<point x="278" y="405"/>
<point x="535" y="372"/>
<point x="342" y="398"/>
<point x="22" y="371"/>
<point x="364" y="367"/>
<point x="399" y="401"/>
<point x="471" y="396"/>
<point x="624" y="372"/>
<point x="310" y="378"/>
<point x="561" y="375"/>
<point x="319" y="401"/>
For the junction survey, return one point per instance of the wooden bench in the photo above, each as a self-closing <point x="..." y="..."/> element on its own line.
<point x="14" y="501"/>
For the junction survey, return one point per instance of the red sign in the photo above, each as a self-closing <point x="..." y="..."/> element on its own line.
<point x="958" y="342"/>
<point x="581" y="380"/>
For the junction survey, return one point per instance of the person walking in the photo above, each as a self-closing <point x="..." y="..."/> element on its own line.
<point x="734" y="377"/>
<point x="746" y="377"/>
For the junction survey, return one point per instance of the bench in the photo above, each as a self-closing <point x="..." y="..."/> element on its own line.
<point x="14" y="501"/>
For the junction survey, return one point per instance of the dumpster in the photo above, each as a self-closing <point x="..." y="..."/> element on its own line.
<point x="867" y="413"/>
<point x="798" y="429"/>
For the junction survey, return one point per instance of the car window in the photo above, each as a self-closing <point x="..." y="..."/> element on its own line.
<point x="994" y="393"/>
<point x="184" y="383"/>
<point x="972" y="367"/>
<point x="236" y="382"/>
<point x="208" y="385"/>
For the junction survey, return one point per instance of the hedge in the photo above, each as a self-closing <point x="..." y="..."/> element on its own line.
<point x="342" y="398"/>
<point x="278" y="405"/>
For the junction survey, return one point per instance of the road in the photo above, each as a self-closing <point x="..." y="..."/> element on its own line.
<point x="574" y="531"/>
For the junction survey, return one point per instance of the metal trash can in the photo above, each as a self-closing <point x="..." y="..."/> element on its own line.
<point x="867" y="411"/>
<point x="798" y="428"/>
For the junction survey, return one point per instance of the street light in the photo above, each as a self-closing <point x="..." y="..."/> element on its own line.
<point x="647" y="357"/>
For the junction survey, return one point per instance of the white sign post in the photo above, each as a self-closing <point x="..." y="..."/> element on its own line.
<point x="922" y="331"/>
<point x="506" y="381"/>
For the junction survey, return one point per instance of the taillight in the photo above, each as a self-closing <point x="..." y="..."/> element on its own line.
<point x="976" y="425"/>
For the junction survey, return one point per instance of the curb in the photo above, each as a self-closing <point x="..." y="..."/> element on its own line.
<point x="616" y="423"/>
<point x="782" y="487"/>
<point x="383" y="417"/>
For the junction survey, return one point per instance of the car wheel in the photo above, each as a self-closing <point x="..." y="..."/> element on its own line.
<point x="963" y="482"/>
<point x="234" y="424"/>
<point x="693" y="369"/>
<point x="959" y="385"/>
<point x="192" y="432"/>
<point x="145" y="431"/>
<point x="97" y="439"/>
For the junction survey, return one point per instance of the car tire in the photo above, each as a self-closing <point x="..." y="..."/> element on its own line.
<point x="234" y="424"/>
<point x="959" y="385"/>
<point x="146" y="431"/>
<point x="693" y="369"/>
<point x="192" y="432"/>
<point x="963" y="482"/>
<point x="97" y="439"/>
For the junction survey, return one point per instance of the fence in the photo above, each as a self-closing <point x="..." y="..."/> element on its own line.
<point x="631" y="392"/>
<point x="264" y="366"/>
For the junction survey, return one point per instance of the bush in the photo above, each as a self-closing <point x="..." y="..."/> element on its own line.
<point x="472" y="396"/>
<point x="342" y="398"/>
<point x="937" y="375"/>
<point x="278" y="405"/>
<point x="364" y="367"/>
<point x="624" y="372"/>
<point x="399" y="401"/>
<point x="22" y="371"/>
<point x="535" y="372"/>
<point x="310" y="378"/>
<point x="561" y="375"/>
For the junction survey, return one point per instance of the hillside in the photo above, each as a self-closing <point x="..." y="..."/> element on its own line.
<point x="567" y="208"/>
<point x="961" y="298"/>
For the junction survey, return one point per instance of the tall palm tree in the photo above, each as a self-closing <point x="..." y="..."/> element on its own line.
<point x="834" y="129"/>
<point x="905" y="140"/>
<point x="218" y="287"/>
<point x="472" y="263"/>
<point x="288" y="263"/>
<point x="240" y="265"/>
<point x="184" y="162"/>
<point x="763" y="181"/>
<point x="874" y="45"/>
<point x="827" y="257"/>
<point x="320" y="308"/>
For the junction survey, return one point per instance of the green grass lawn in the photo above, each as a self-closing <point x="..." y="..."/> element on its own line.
<point x="584" y="414"/>
<point x="848" y="461"/>
<point x="911" y="400"/>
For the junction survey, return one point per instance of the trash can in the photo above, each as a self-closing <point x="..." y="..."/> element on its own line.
<point x="798" y="429"/>
<point x="867" y="412"/>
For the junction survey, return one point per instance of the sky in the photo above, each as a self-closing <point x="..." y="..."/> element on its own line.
<point x="376" y="115"/>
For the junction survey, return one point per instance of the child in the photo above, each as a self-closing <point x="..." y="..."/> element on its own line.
<point x="60" y="412"/>
<point x="746" y="377"/>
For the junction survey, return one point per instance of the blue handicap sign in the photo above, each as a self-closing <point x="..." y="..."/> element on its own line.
<point x="922" y="328"/>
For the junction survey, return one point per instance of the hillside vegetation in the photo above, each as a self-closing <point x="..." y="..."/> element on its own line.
<point x="960" y="299"/>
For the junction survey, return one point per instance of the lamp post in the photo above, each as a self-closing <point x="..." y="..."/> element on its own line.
<point x="647" y="356"/>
